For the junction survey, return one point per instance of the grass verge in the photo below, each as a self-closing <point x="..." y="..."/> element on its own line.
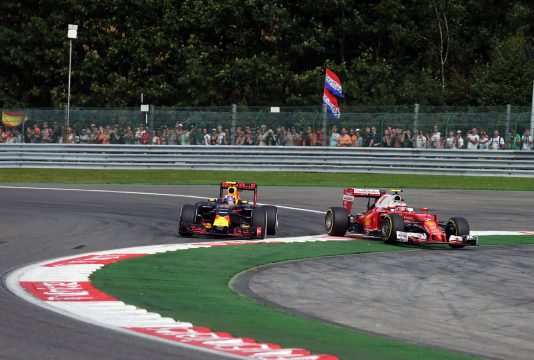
<point x="204" y="177"/>
<point x="192" y="285"/>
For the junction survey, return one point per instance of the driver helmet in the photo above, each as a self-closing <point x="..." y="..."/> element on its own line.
<point x="229" y="199"/>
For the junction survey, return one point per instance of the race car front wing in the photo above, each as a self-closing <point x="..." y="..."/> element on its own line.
<point x="422" y="238"/>
<point x="251" y="232"/>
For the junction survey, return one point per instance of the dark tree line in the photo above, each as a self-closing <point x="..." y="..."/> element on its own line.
<point x="259" y="52"/>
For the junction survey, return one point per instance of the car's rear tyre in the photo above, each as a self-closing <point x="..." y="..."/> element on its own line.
<point x="272" y="219"/>
<point x="391" y="223"/>
<point x="336" y="221"/>
<point x="187" y="216"/>
<point x="259" y="219"/>
<point x="457" y="226"/>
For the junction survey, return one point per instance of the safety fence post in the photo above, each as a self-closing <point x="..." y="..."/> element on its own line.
<point x="234" y="123"/>
<point x="415" y="123"/>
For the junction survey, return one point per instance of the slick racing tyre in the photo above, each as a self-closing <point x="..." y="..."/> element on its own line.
<point x="391" y="223"/>
<point x="272" y="219"/>
<point x="259" y="219"/>
<point x="456" y="226"/>
<point x="188" y="216"/>
<point x="336" y="221"/>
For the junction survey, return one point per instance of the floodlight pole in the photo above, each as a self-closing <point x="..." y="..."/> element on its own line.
<point x="72" y="33"/>
<point x="68" y="94"/>
<point x="532" y="113"/>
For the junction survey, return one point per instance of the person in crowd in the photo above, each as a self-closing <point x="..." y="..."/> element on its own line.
<point x="129" y="136"/>
<point x="344" y="139"/>
<point x="334" y="135"/>
<point x="496" y="142"/>
<point x="92" y="135"/>
<point x="219" y="140"/>
<point x="174" y="134"/>
<point x="396" y="138"/>
<point x="514" y="140"/>
<point x="280" y="136"/>
<point x="72" y="136"/>
<point x="290" y="140"/>
<point x="352" y="134"/>
<point x="45" y="134"/>
<point x="367" y="137"/>
<point x="239" y="136"/>
<point x="3" y="135"/>
<point x="36" y="138"/>
<point x="459" y="140"/>
<point x="319" y="137"/>
<point x="116" y="135"/>
<point x="10" y="137"/>
<point x="386" y="139"/>
<point x="473" y="139"/>
<point x="407" y="139"/>
<point x="213" y="137"/>
<point x="421" y="139"/>
<point x="526" y="140"/>
<point x="269" y="137"/>
<point x="56" y="132"/>
<point x="483" y="142"/>
<point x="249" y="136"/>
<point x="185" y="137"/>
<point x="300" y="138"/>
<point x="19" y="139"/>
<point x="375" y="138"/>
<point x="227" y="137"/>
<point x="144" y="139"/>
<point x="435" y="138"/>
<point x="310" y="138"/>
<point x="450" y="141"/>
<point x="358" y="141"/>
<point x="206" y="138"/>
<point x="156" y="139"/>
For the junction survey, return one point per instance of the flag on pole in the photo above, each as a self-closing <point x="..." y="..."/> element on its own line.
<point x="13" y="118"/>
<point x="333" y="84"/>
<point x="332" y="106"/>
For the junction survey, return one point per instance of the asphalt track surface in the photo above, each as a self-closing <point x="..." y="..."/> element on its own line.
<point x="37" y="225"/>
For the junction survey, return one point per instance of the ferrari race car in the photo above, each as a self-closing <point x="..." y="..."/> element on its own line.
<point x="389" y="218"/>
<point x="229" y="215"/>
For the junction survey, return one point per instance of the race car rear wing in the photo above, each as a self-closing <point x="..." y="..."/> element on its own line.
<point x="350" y="193"/>
<point x="357" y="192"/>
<point x="239" y="186"/>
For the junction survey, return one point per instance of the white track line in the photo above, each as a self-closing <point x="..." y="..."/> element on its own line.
<point x="142" y="193"/>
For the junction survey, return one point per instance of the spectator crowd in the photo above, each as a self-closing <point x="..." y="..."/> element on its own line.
<point x="392" y="137"/>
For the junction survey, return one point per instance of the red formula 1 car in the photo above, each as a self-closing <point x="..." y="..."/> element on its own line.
<point x="389" y="218"/>
<point x="229" y="214"/>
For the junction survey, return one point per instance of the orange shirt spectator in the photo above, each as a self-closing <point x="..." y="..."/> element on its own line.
<point x="344" y="139"/>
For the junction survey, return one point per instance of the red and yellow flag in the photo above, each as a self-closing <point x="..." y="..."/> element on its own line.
<point x="13" y="118"/>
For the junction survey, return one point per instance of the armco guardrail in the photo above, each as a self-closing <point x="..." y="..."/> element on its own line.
<point x="254" y="158"/>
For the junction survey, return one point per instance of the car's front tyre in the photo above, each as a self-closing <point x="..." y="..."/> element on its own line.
<point x="336" y="221"/>
<point x="187" y="216"/>
<point x="391" y="223"/>
<point x="259" y="219"/>
<point x="272" y="219"/>
<point x="457" y="226"/>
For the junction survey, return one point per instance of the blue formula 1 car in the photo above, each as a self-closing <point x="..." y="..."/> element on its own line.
<point x="229" y="215"/>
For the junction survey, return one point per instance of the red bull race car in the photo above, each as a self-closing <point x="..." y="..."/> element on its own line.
<point x="229" y="214"/>
<point x="387" y="217"/>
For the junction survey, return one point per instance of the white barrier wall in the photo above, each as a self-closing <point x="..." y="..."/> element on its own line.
<point x="257" y="158"/>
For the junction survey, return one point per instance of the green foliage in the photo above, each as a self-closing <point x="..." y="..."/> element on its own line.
<point x="257" y="52"/>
